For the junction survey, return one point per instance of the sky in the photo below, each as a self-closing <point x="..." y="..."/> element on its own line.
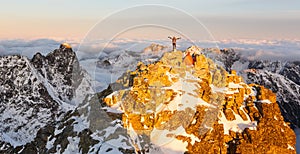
<point x="74" y="19"/>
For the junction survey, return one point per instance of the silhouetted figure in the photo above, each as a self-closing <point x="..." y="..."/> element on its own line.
<point x="174" y="39"/>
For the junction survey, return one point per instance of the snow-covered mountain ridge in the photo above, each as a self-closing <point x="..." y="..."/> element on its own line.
<point x="37" y="91"/>
<point x="167" y="106"/>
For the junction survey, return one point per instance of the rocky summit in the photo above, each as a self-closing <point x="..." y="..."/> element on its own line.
<point x="198" y="109"/>
<point x="182" y="103"/>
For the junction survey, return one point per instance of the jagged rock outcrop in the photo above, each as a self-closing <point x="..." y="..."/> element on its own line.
<point x="87" y="129"/>
<point x="281" y="76"/>
<point x="37" y="92"/>
<point x="167" y="107"/>
<point x="61" y="70"/>
<point x="288" y="93"/>
<point x="25" y="104"/>
<point x="247" y="120"/>
<point x="228" y="57"/>
<point x="282" y="79"/>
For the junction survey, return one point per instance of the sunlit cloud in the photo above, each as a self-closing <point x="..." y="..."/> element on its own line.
<point x="254" y="49"/>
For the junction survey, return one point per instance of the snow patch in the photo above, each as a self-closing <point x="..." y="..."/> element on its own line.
<point x="50" y="143"/>
<point x="266" y="101"/>
<point x="186" y="97"/>
<point x="218" y="89"/>
<point x="166" y="139"/>
<point x="237" y="125"/>
<point x="290" y="147"/>
<point x="8" y="139"/>
<point x="73" y="145"/>
<point x="80" y="123"/>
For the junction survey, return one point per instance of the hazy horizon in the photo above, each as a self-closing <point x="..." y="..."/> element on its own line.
<point x="266" y="28"/>
<point x="233" y="19"/>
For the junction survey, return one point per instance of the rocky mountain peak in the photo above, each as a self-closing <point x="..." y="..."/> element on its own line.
<point x="167" y="106"/>
<point x="60" y="67"/>
<point x="65" y="46"/>
<point x="202" y="108"/>
<point x="155" y="49"/>
<point x="35" y="92"/>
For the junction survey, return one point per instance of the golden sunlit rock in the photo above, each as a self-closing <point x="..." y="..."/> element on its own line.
<point x="217" y="111"/>
<point x="65" y="45"/>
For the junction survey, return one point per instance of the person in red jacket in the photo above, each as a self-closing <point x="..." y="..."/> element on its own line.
<point x="174" y="39"/>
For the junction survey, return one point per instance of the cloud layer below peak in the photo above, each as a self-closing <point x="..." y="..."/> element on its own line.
<point x="253" y="49"/>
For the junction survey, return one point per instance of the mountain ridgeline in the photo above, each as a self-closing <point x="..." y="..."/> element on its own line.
<point x="176" y="104"/>
<point x="37" y="92"/>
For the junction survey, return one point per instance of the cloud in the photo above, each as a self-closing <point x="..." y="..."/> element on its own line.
<point x="2" y="49"/>
<point x="89" y="52"/>
<point x="265" y="49"/>
<point x="99" y="48"/>
<point x="250" y="48"/>
<point x="27" y="47"/>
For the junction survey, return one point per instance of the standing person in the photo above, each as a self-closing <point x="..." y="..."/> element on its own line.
<point x="174" y="39"/>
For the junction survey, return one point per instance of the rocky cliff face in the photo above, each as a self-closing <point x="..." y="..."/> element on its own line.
<point x="62" y="72"/>
<point x="201" y="108"/>
<point x="25" y="103"/>
<point x="283" y="79"/>
<point x="37" y="92"/>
